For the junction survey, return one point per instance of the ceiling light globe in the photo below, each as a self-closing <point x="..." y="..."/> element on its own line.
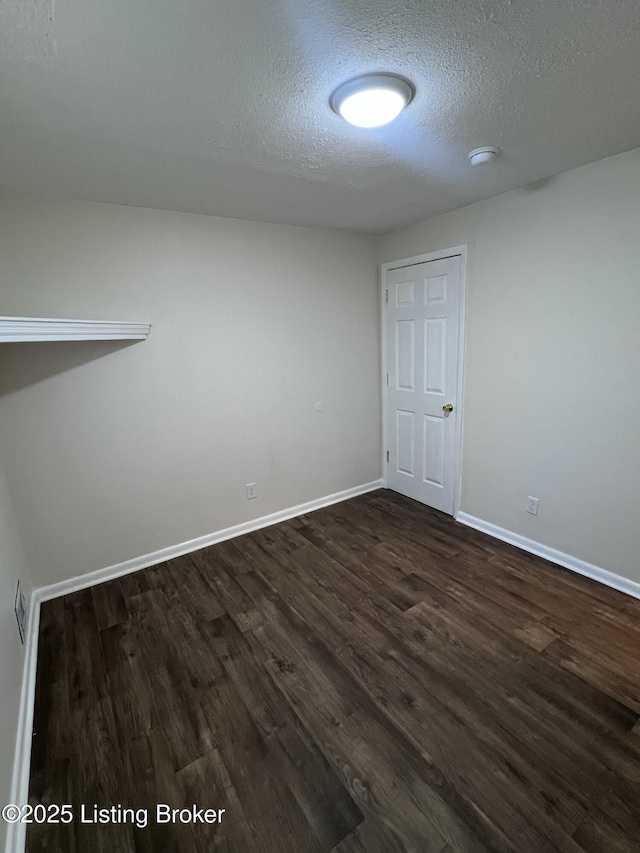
<point x="372" y="108"/>
<point x="372" y="100"/>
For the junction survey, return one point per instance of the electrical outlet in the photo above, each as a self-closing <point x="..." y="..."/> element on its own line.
<point x="20" y="607"/>
<point x="532" y="505"/>
<point x="251" y="491"/>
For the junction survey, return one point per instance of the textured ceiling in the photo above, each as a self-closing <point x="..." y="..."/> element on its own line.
<point x="220" y="106"/>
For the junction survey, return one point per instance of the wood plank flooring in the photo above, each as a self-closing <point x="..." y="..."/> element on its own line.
<point x="369" y="678"/>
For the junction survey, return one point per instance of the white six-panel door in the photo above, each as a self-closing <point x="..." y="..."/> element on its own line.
<point x="422" y="330"/>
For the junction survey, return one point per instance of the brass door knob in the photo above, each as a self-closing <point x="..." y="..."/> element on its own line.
<point x="448" y="408"/>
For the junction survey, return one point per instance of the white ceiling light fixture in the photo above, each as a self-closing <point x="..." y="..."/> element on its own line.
<point x="372" y="99"/>
<point x="482" y="156"/>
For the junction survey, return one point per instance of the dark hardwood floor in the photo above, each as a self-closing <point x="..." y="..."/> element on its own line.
<point x="370" y="678"/>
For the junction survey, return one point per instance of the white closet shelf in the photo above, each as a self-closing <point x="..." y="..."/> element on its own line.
<point x="14" y="329"/>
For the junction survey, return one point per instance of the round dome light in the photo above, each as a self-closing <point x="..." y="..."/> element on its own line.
<point x="372" y="100"/>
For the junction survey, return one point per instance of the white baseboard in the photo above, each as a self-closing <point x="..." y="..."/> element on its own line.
<point x="596" y="573"/>
<point x="44" y="593"/>
<point x="16" y="835"/>
<point x="16" y="832"/>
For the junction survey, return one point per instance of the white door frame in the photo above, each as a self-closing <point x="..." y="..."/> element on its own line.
<point x="408" y="262"/>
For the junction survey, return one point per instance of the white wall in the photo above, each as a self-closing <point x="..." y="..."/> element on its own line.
<point x="113" y="451"/>
<point x="12" y="567"/>
<point x="552" y="363"/>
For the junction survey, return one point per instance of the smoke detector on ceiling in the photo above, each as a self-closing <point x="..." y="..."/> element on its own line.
<point x="482" y="156"/>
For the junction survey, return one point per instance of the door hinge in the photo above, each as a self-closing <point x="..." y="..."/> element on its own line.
<point x="387" y="457"/>
<point x="386" y="296"/>
<point x="387" y="379"/>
